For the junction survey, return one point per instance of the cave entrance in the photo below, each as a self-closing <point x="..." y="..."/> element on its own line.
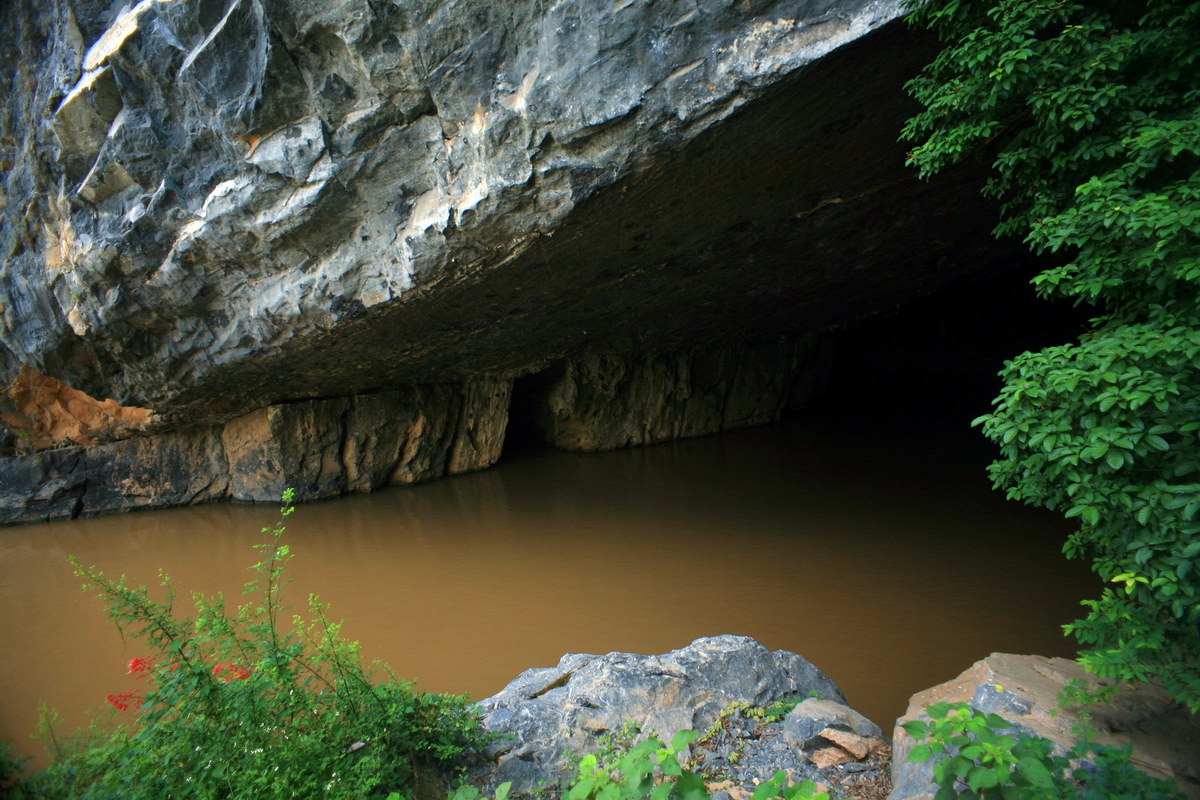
<point x="525" y="411"/>
<point x="930" y="365"/>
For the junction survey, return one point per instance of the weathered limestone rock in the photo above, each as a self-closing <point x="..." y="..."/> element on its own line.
<point x="167" y="469"/>
<point x="294" y="444"/>
<point x="609" y="402"/>
<point x="563" y="709"/>
<point x="1024" y="690"/>
<point x="211" y="208"/>
<point x="832" y="732"/>
<point x="479" y="436"/>
<point x="321" y="448"/>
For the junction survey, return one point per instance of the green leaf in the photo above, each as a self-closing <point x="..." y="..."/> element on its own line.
<point x="690" y="786"/>
<point x="919" y="753"/>
<point x="1035" y="772"/>
<point x="681" y="740"/>
<point x="981" y="778"/>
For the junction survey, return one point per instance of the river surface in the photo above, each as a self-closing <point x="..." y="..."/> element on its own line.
<point x="876" y="549"/>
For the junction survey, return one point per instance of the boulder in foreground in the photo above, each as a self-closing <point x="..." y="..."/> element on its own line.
<point x="1024" y="690"/>
<point x="720" y="686"/>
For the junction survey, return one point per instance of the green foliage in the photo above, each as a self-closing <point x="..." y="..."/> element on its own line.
<point x="1090" y="116"/>
<point x="468" y="792"/>
<point x="982" y="757"/>
<point x="624" y="770"/>
<point x="11" y="772"/>
<point x="240" y="705"/>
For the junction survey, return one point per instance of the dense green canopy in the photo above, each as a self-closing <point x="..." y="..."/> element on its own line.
<point x="1089" y="114"/>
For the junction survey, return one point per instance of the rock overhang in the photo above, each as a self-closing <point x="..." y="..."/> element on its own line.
<point x="387" y="197"/>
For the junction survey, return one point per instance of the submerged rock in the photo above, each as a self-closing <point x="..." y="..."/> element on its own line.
<point x="721" y="686"/>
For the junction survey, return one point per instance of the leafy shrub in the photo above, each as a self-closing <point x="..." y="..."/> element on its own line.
<point x="982" y="756"/>
<point x="11" y="769"/>
<point x="650" y="769"/>
<point x="1089" y="113"/>
<point x="239" y="704"/>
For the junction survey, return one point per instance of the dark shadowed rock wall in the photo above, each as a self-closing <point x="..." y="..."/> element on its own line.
<point x="609" y="402"/>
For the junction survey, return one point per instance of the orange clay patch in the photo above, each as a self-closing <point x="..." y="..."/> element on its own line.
<point x="50" y="413"/>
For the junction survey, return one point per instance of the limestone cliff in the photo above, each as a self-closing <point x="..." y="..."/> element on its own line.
<point x="214" y="206"/>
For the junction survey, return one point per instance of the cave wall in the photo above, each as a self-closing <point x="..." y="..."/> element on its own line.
<point x="289" y="244"/>
<point x="332" y="446"/>
<point x="606" y="402"/>
<point x="215" y="206"/>
<point x="321" y="448"/>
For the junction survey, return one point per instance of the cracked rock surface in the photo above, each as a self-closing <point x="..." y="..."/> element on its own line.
<point x="214" y="205"/>
<point x="549" y="717"/>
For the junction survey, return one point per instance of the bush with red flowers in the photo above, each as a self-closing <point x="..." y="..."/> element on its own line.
<point x="256" y="702"/>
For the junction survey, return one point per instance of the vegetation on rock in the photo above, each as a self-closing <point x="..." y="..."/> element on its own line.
<point x="984" y="756"/>
<point x="650" y="770"/>
<point x="1089" y="114"/>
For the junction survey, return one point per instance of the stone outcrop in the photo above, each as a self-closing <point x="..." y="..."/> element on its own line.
<point x="549" y="717"/>
<point x="1024" y="691"/>
<point x="214" y="213"/>
<point x="211" y="208"/>
<point x="321" y="448"/>
<point x="358" y="443"/>
<point x="609" y="402"/>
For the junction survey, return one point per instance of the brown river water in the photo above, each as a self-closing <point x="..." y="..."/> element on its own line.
<point x="873" y="546"/>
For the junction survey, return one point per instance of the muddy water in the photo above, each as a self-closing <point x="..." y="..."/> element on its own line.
<point x="877" y="551"/>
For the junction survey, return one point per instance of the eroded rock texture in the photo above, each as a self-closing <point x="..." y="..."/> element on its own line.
<point x="613" y="401"/>
<point x="45" y="412"/>
<point x="216" y="211"/>
<point x="213" y="205"/>
<point x="549" y="717"/>
<point x="320" y="448"/>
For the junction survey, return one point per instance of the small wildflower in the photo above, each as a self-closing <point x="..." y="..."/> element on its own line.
<point x="120" y="702"/>
<point x="140" y="667"/>
<point x="230" y="672"/>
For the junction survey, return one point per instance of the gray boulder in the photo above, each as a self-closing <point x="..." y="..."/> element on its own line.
<point x="551" y="716"/>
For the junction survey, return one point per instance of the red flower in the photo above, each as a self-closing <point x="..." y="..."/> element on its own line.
<point x="120" y="702"/>
<point x="140" y="667"/>
<point x="232" y="672"/>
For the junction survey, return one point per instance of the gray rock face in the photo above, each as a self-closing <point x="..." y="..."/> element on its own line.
<point x="212" y="206"/>
<point x="547" y="713"/>
<point x="816" y="716"/>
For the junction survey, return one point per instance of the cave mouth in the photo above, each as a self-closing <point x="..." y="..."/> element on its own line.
<point x="930" y="366"/>
<point x="525" y="409"/>
<point x="939" y="356"/>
